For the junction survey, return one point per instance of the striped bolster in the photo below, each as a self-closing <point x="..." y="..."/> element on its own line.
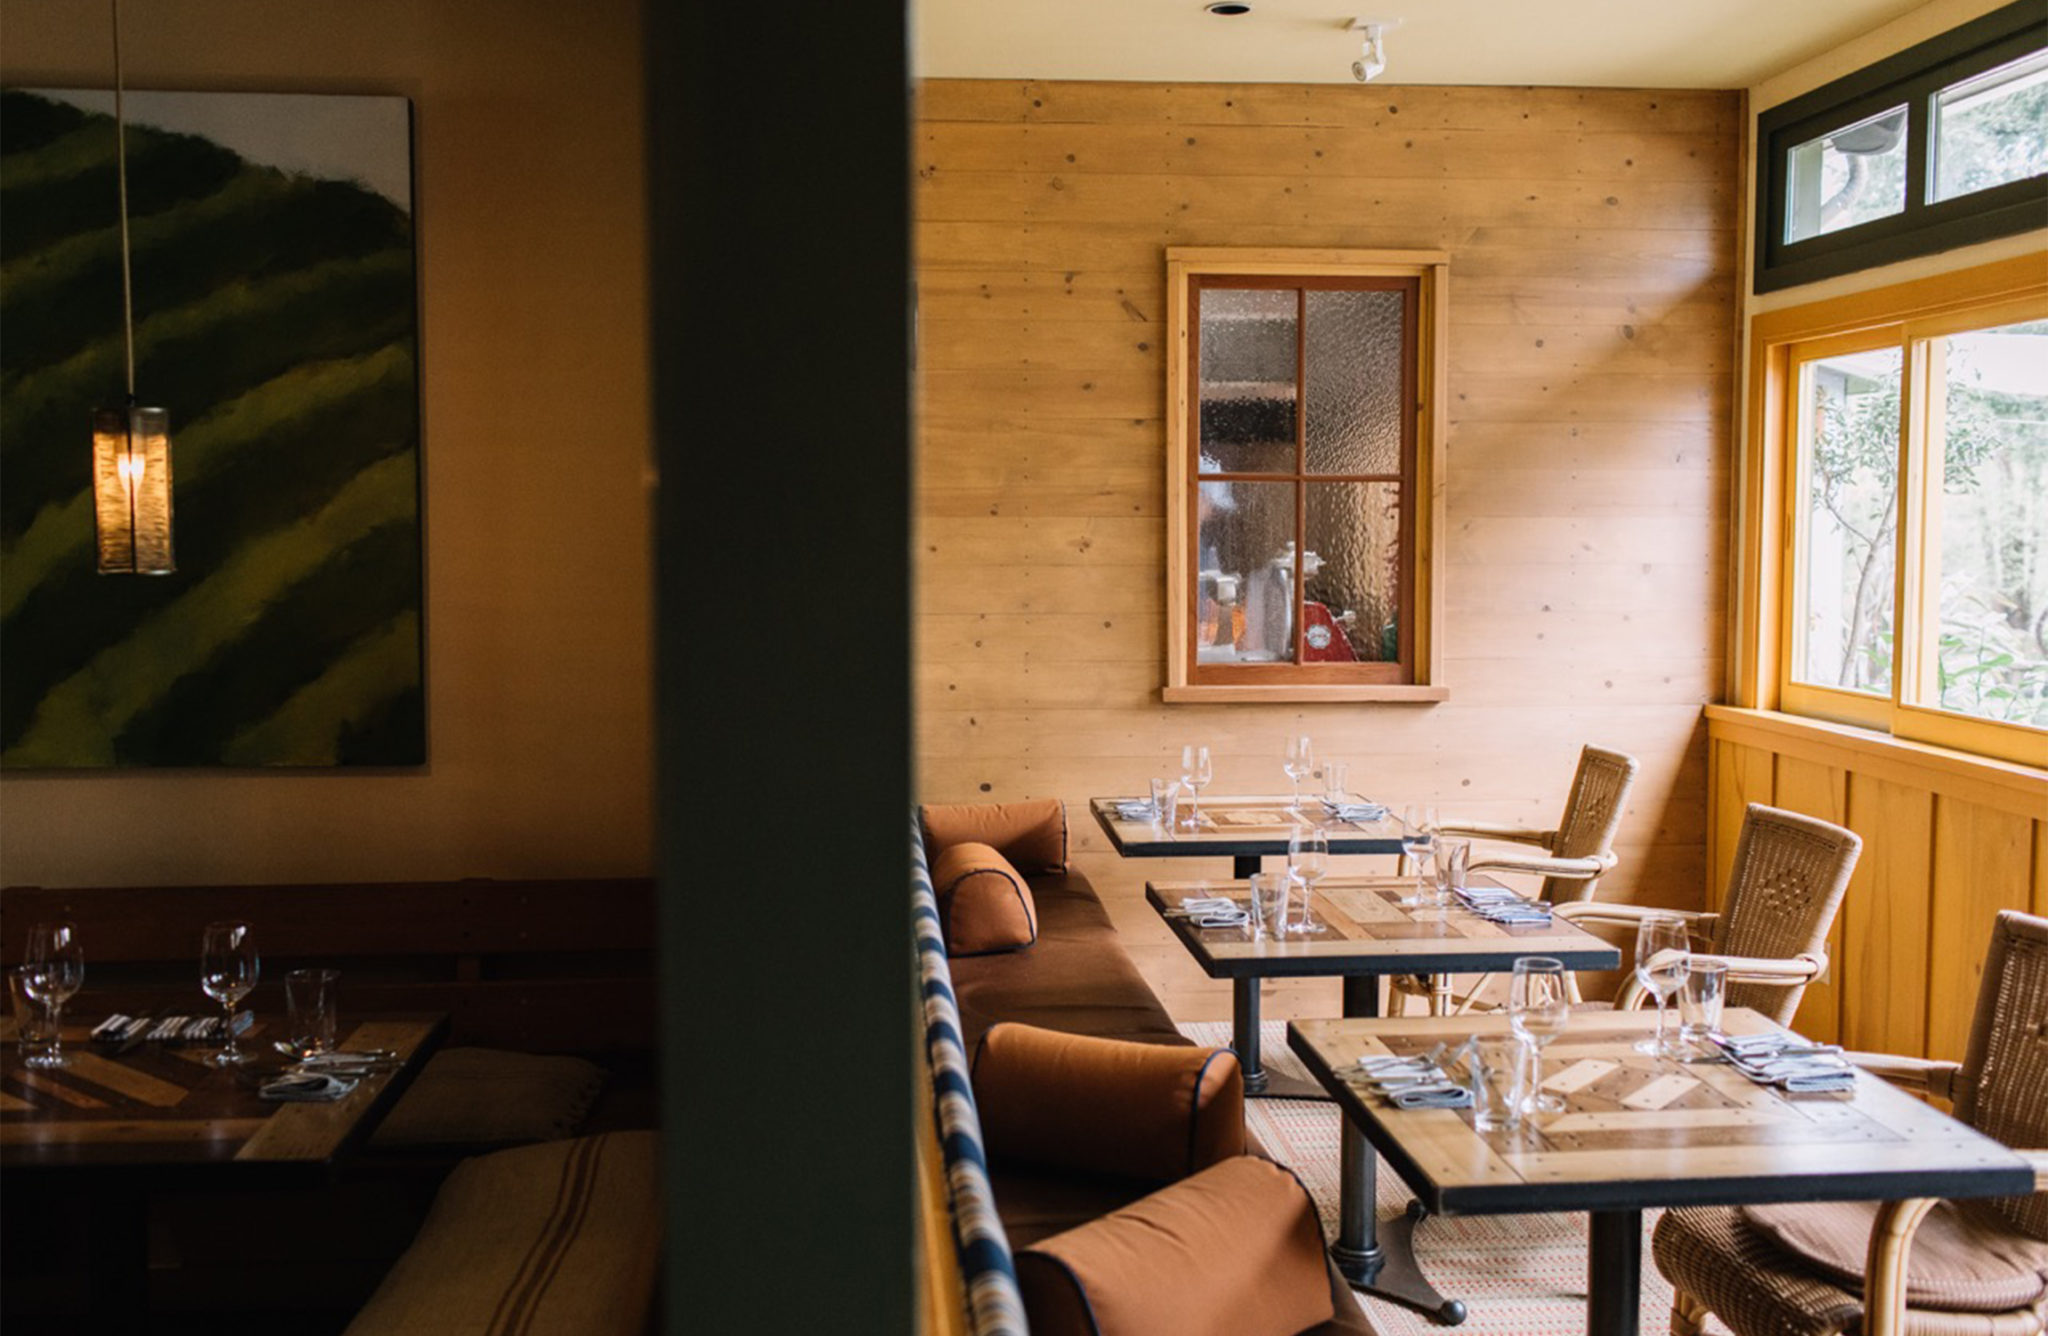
<point x="986" y="1266"/>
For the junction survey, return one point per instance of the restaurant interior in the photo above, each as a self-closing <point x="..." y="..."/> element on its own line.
<point x="526" y="528"/>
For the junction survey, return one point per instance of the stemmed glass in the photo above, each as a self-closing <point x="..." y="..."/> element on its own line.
<point x="56" y="969"/>
<point x="1663" y="956"/>
<point x="1300" y="764"/>
<point x="228" y="967"/>
<point x="1539" y="1010"/>
<point x="1418" y="841"/>
<point x="1195" y="772"/>
<point x="1308" y="860"/>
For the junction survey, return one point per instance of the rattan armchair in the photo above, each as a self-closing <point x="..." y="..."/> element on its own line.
<point x="1787" y="883"/>
<point x="1573" y="856"/>
<point x="1719" y="1263"/>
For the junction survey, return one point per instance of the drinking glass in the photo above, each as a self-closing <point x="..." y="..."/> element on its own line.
<point x="1500" y="1084"/>
<point x="228" y="967"/>
<point x="1539" y="1010"/>
<point x="1300" y="764"/>
<point x="1418" y="841"/>
<point x="1298" y="919"/>
<point x="1268" y="893"/>
<point x="1308" y="861"/>
<point x="32" y="1029"/>
<point x="1663" y="952"/>
<point x="309" y="1005"/>
<point x="1452" y="858"/>
<point x="1165" y="802"/>
<point x="1333" y="781"/>
<point x="54" y="968"/>
<point x="1699" y="1004"/>
<point x="1195" y="772"/>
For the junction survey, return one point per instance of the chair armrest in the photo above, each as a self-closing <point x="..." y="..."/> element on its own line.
<point x="1606" y="911"/>
<point x="1922" y="1074"/>
<point x="1785" y="973"/>
<point x="1489" y="830"/>
<point x="1570" y="869"/>
<point x="1148" y="1111"/>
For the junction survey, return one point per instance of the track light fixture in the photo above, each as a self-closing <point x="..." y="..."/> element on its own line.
<point x="1373" y="58"/>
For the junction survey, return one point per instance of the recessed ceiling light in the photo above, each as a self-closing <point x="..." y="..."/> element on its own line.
<point x="1228" y="8"/>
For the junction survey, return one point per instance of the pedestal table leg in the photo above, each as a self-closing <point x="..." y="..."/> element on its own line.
<point x="1614" y="1274"/>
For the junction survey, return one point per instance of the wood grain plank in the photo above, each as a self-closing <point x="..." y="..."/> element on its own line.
<point x="1819" y="791"/>
<point x="1982" y="863"/>
<point x="1884" y="1007"/>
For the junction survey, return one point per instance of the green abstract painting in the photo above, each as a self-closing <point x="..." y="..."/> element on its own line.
<point x="276" y="319"/>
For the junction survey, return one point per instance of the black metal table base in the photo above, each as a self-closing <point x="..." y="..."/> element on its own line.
<point x="1614" y="1274"/>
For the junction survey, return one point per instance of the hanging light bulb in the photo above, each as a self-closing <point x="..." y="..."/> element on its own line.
<point x="131" y="446"/>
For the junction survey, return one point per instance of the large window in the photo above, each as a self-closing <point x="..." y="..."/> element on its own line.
<point x="1305" y="424"/>
<point x="1909" y="430"/>
<point x="1939" y="146"/>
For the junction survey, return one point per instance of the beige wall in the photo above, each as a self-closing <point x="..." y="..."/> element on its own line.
<point x="530" y="197"/>
<point x="1593" y="259"/>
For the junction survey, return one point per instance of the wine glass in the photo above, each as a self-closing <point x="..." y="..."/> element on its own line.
<point x="1663" y="957"/>
<point x="1299" y="765"/>
<point x="1539" y="1010"/>
<point x="1308" y="860"/>
<point x="228" y="967"/>
<point x="1418" y="841"/>
<point x="55" y="969"/>
<point x="1195" y="772"/>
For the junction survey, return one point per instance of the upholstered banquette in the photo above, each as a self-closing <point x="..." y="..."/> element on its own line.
<point x="1069" y="1156"/>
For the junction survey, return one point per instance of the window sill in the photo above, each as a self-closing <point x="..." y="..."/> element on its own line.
<point x="1880" y="754"/>
<point x="1304" y="694"/>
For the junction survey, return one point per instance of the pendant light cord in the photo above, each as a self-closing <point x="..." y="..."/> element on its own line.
<point x="121" y="180"/>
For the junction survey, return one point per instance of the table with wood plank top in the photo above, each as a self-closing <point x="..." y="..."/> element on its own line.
<point x="1368" y="932"/>
<point x="114" y="1127"/>
<point x="1638" y="1132"/>
<point x="1244" y="830"/>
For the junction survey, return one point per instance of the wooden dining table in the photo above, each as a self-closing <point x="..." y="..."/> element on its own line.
<point x="114" y="1127"/>
<point x="1243" y="829"/>
<point x="1638" y="1132"/>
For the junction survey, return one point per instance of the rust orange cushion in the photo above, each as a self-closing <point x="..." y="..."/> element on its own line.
<point x="1233" y="1251"/>
<point x="984" y="904"/>
<point x="1151" y="1111"/>
<point x="1033" y="835"/>
<point x="1957" y="1262"/>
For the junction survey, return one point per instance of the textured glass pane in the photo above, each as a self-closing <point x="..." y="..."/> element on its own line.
<point x="1847" y="176"/>
<point x="1992" y="646"/>
<point x="1247" y="380"/>
<point x="1352" y="570"/>
<point x="1992" y="129"/>
<point x="1244" y="564"/>
<point x="1354" y="382"/>
<point x="1849" y="469"/>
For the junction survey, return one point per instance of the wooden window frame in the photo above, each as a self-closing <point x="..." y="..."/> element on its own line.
<point x="1912" y="78"/>
<point x="1422" y="502"/>
<point x="1904" y="315"/>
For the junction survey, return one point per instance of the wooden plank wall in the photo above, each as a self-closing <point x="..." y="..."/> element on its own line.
<point x="1593" y="244"/>
<point x="1946" y="845"/>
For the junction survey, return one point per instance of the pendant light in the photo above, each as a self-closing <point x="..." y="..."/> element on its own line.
<point x="131" y="446"/>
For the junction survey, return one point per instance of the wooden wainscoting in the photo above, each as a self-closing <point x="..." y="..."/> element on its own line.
<point x="1948" y="840"/>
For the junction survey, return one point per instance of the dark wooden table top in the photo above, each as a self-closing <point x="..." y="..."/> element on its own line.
<point x="1368" y="931"/>
<point x="1641" y="1131"/>
<point x="168" y="1108"/>
<point x="1242" y="827"/>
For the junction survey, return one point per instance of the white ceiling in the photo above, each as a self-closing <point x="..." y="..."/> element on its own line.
<point x="1577" y="43"/>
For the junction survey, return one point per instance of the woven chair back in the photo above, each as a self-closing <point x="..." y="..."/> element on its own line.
<point x="2003" y="1088"/>
<point x="1789" y="876"/>
<point x="1592" y="813"/>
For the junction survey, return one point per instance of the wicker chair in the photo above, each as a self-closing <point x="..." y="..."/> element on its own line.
<point x="1787" y="883"/>
<point x="1719" y="1263"/>
<point x="1574" y="855"/>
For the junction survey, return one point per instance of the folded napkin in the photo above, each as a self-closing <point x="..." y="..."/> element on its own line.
<point x="343" y="1062"/>
<point x="307" y="1087"/>
<point x="1498" y="905"/>
<point x="1136" y="809"/>
<point x="1214" y="912"/>
<point x="1445" y="1096"/>
<point x="1794" y="1064"/>
<point x="1350" y="811"/>
<point x="1414" y="1083"/>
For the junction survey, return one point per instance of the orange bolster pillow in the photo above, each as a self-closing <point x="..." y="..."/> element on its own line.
<point x="1031" y="835"/>
<point x="1151" y="1111"/>
<point x="1235" y="1250"/>
<point x="984" y="906"/>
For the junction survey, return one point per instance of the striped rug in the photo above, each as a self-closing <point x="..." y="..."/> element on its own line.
<point x="1518" y="1275"/>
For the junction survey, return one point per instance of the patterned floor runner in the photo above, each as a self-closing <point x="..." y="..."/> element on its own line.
<point x="1520" y="1275"/>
